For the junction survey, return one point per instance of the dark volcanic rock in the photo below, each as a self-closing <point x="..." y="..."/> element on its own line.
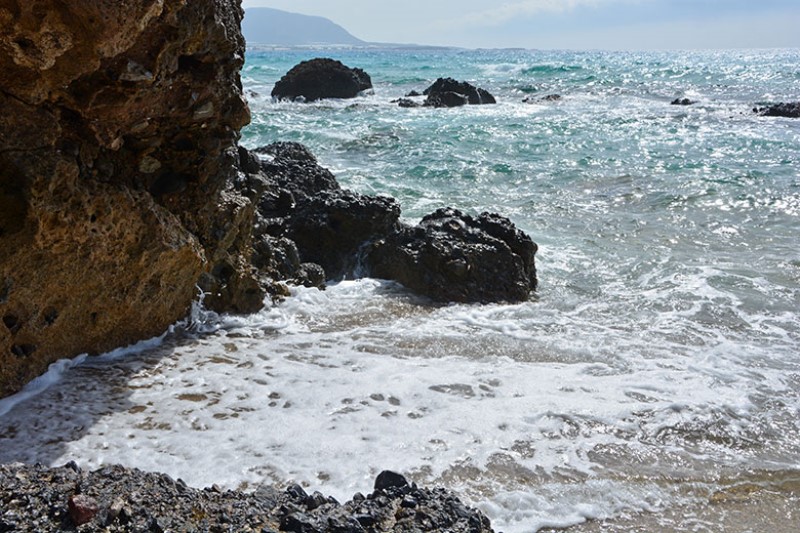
<point x="293" y="168"/>
<point x="330" y="228"/>
<point x="455" y="257"/>
<point x="682" y="101"/>
<point x="35" y="498"/>
<point x="322" y="78"/>
<point x="307" y="221"/>
<point x="446" y="99"/>
<point x="788" y="110"/>
<point x="473" y="94"/>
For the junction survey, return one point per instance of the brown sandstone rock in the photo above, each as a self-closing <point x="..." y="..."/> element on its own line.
<point x="118" y="131"/>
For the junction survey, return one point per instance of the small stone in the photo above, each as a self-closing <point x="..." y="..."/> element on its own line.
<point x="82" y="509"/>
<point x="315" y="500"/>
<point x="409" y="502"/>
<point x="297" y="492"/>
<point x="388" y="479"/>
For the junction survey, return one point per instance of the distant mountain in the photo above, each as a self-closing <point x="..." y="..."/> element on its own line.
<point x="263" y="25"/>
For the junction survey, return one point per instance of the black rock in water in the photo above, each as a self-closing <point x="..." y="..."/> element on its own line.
<point x="548" y="98"/>
<point x="454" y="257"/>
<point x="682" y="101"/>
<point x="446" y="99"/>
<point x="473" y="95"/>
<point x="321" y="78"/>
<point x="788" y="110"/>
<point x="309" y="229"/>
<point x="330" y="228"/>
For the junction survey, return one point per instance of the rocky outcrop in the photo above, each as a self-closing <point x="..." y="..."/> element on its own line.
<point x="447" y="92"/>
<point x="682" y="102"/>
<point x="117" y="499"/>
<point x="787" y="110"/>
<point x="321" y="78"/>
<point x="449" y="256"/>
<point x="454" y="257"/>
<point x="117" y="154"/>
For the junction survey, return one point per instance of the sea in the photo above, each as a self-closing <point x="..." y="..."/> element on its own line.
<point x="651" y="383"/>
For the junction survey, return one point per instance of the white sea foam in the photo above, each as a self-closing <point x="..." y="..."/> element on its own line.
<point x="333" y="386"/>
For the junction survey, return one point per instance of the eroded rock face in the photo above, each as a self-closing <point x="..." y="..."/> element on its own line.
<point x="118" y="140"/>
<point x="322" y="78"/>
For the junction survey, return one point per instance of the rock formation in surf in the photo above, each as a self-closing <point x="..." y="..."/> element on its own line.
<point x="321" y="78"/>
<point x="449" y="256"/>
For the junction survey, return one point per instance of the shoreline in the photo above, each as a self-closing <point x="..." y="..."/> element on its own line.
<point x="115" y="498"/>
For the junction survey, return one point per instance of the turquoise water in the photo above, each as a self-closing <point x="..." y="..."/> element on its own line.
<point x="657" y="366"/>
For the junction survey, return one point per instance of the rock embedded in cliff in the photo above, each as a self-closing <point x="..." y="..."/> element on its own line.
<point x="320" y="78"/>
<point x="117" y="153"/>
<point x="447" y="92"/>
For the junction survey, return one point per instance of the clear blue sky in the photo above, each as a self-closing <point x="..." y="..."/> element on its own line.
<point x="574" y="24"/>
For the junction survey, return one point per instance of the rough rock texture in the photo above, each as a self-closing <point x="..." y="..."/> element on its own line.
<point x="118" y="140"/>
<point x="322" y="78"/>
<point x="788" y="110"/>
<point x="438" y="93"/>
<point x="116" y="499"/>
<point x="448" y="257"/>
<point x="454" y="257"/>
<point x="331" y="227"/>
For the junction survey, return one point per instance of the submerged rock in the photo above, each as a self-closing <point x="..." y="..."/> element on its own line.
<point x="682" y="101"/>
<point x="322" y="78"/>
<point x="548" y="98"/>
<point x="118" y="499"/>
<point x="787" y="110"/>
<point x="438" y="94"/>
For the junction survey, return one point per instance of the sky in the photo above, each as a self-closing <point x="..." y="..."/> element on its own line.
<point x="562" y="24"/>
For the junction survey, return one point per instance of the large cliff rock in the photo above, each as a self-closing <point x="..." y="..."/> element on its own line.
<point x="118" y="131"/>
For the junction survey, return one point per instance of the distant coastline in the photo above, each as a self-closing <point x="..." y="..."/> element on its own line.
<point x="269" y="29"/>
